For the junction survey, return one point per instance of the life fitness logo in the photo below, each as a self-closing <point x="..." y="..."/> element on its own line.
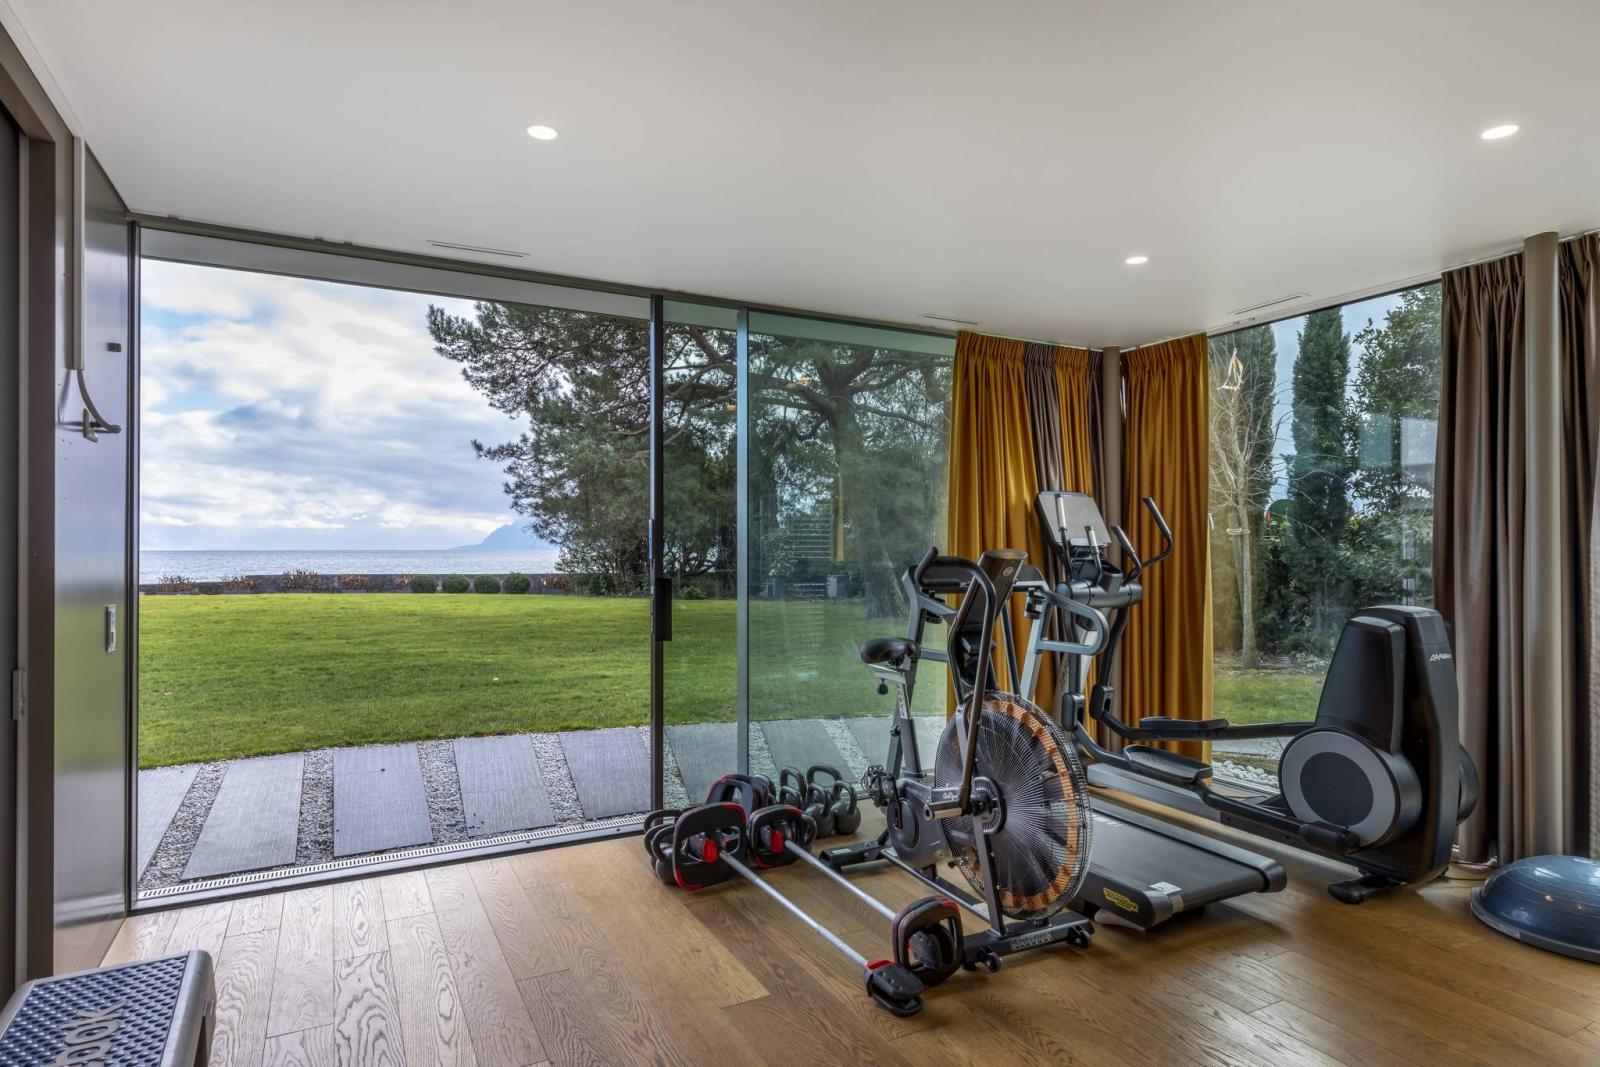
<point x="88" y="1037"/>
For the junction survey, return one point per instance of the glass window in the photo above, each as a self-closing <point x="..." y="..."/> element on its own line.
<point x="394" y="541"/>
<point x="1322" y="456"/>
<point x="849" y="433"/>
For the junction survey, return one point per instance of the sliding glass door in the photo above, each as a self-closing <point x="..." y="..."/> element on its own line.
<point x="848" y="436"/>
<point x="696" y="613"/>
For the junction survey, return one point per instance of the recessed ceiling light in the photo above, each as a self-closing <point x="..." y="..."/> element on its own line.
<point x="1496" y="133"/>
<point x="1134" y="261"/>
<point x="542" y="133"/>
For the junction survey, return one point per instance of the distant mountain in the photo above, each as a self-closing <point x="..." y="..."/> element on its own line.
<point x="511" y="535"/>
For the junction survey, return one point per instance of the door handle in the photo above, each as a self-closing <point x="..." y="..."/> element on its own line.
<point x="661" y="610"/>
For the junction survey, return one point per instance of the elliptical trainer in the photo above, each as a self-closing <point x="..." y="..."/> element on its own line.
<point x="1378" y="780"/>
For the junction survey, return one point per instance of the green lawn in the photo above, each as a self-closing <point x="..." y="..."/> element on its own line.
<point x="1267" y="695"/>
<point x="228" y="676"/>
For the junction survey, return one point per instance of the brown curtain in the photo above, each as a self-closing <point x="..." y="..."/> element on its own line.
<point x="1166" y="666"/>
<point x="1477" y="529"/>
<point x="1580" y="345"/>
<point x="1063" y="390"/>
<point x="1482" y="515"/>
<point x="1020" y="421"/>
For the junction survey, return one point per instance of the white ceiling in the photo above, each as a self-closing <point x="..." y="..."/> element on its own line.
<point x="989" y="161"/>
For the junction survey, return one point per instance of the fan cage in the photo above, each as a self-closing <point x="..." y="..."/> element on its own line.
<point x="1041" y="849"/>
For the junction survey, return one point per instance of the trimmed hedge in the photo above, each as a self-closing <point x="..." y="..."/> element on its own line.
<point x="485" y="583"/>
<point x="517" y="583"/>
<point x="424" y="583"/>
<point x="456" y="583"/>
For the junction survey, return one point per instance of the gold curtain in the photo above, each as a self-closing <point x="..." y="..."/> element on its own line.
<point x="1076" y="384"/>
<point x="1166" y="665"/>
<point x="993" y="476"/>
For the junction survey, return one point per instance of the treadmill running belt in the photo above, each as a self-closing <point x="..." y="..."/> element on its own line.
<point x="1143" y="871"/>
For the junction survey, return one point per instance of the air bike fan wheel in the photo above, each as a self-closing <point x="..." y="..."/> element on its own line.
<point x="1042" y="824"/>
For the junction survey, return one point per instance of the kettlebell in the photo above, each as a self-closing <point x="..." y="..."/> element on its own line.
<point x="846" y="809"/>
<point x="833" y="806"/>
<point x="792" y="794"/>
<point x="819" y="807"/>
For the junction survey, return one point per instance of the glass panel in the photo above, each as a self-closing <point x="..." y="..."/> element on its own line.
<point x="1322" y="455"/>
<point x="700" y="663"/>
<point x="315" y="455"/>
<point x="849" y="435"/>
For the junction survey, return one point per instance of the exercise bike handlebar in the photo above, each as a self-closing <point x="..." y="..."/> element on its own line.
<point x="970" y="574"/>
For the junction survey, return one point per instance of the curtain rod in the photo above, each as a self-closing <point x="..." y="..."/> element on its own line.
<point x="1034" y="340"/>
<point x="1357" y="295"/>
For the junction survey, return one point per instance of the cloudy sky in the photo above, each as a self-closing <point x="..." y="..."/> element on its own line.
<point x="281" y="413"/>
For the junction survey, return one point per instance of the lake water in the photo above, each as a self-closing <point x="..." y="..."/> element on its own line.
<point x="203" y="566"/>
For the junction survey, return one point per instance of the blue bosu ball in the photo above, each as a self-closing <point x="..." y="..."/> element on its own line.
<point x="1552" y="902"/>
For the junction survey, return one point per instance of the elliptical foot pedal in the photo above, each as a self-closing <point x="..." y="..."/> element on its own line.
<point x="1167" y="766"/>
<point x="894" y="988"/>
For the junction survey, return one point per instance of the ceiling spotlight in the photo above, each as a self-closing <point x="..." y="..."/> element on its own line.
<point x="1134" y="261"/>
<point x="542" y="133"/>
<point x="1497" y="133"/>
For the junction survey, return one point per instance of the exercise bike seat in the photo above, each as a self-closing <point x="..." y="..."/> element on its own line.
<point x="1178" y="729"/>
<point x="1166" y="766"/>
<point x="889" y="650"/>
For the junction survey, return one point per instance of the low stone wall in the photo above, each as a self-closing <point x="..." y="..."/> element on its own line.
<point x="308" y="582"/>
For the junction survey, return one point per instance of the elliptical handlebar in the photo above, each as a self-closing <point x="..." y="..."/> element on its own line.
<point x="1137" y="565"/>
<point x="1161" y="525"/>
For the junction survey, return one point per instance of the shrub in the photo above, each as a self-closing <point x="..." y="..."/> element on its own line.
<point x="353" y="581"/>
<point x="175" y="583"/>
<point x="485" y="583"/>
<point x="239" y="583"/>
<point x="456" y="583"/>
<point x="518" y="583"/>
<point x="299" y="581"/>
<point x="597" y="585"/>
<point x="691" y="592"/>
<point x="556" y="583"/>
<point x="423" y="583"/>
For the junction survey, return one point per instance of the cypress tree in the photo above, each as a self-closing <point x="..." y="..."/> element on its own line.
<point x="1320" y="474"/>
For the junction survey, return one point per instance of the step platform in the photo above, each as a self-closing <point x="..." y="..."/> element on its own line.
<point x="158" y="1012"/>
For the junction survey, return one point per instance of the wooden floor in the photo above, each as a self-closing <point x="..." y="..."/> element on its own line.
<point x="579" y="956"/>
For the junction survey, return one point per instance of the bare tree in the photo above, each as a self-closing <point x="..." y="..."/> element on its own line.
<point x="1242" y="477"/>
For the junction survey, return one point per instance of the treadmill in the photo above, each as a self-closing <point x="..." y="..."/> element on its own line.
<point x="1142" y="869"/>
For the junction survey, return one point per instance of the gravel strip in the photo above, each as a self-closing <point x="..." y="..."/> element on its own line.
<point x="172" y="855"/>
<point x="443" y="787"/>
<point x="558" y="785"/>
<point x="1244" y="772"/>
<point x="760" y="755"/>
<point x="673" y="793"/>
<point x="849" y="747"/>
<point x="315" y="843"/>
